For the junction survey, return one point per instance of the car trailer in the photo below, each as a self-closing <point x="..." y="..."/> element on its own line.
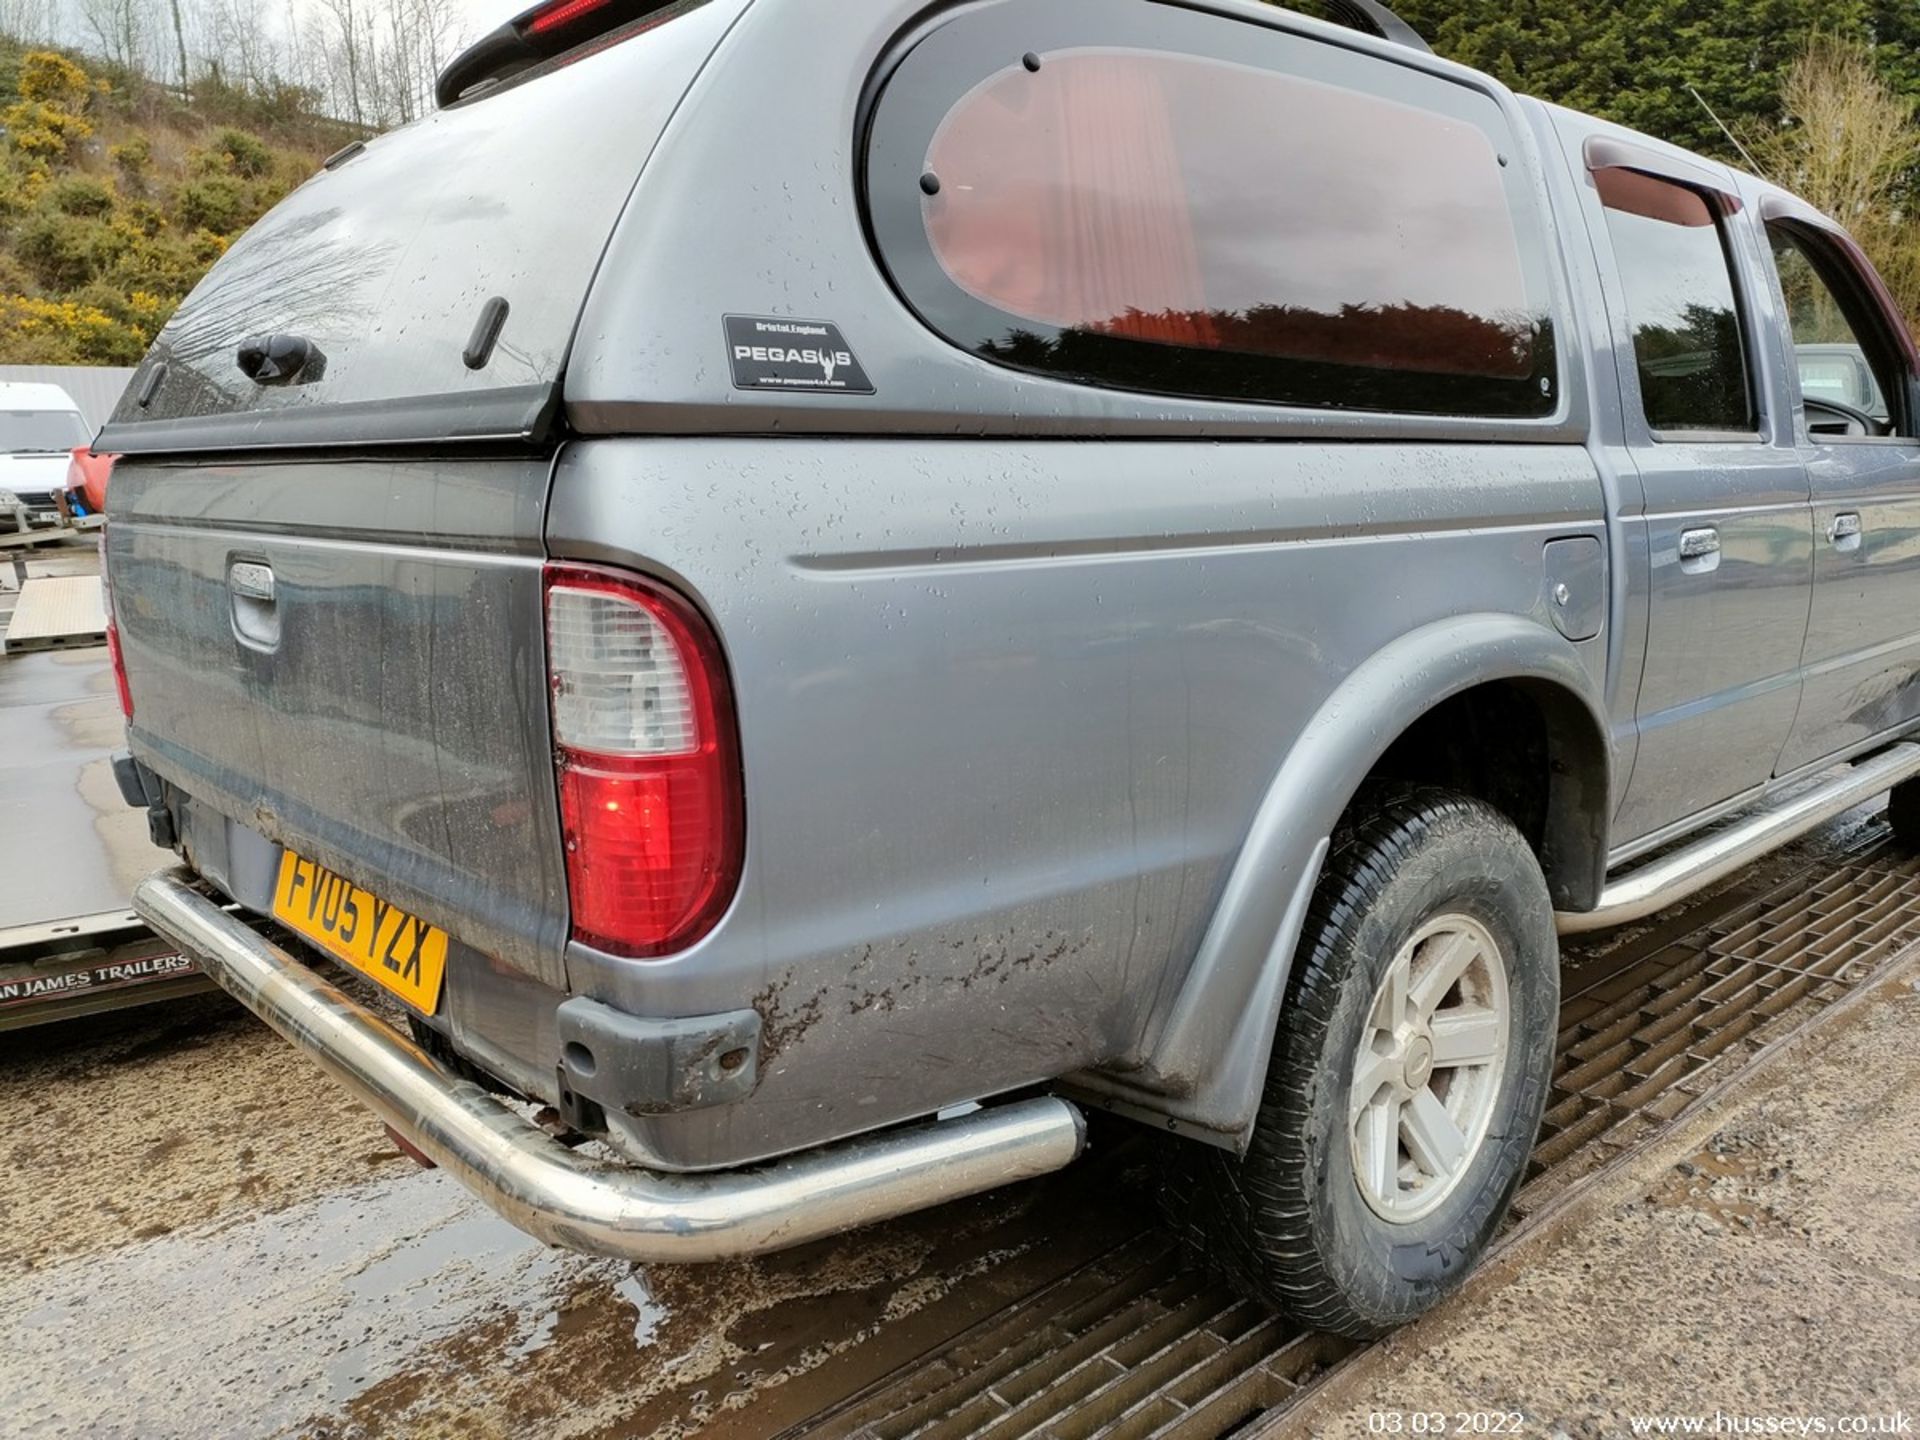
<point x="26" y="527"/>
<point x="65" y="969"/>
<point x="70" y="849"/>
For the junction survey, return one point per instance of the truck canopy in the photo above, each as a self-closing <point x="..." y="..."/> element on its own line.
<point x="359" y="309"/>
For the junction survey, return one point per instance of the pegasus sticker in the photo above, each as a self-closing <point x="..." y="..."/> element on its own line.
<point x="773" y="353"/>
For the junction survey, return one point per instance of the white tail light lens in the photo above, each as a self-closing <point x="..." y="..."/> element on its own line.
<point x="620" y="681"/>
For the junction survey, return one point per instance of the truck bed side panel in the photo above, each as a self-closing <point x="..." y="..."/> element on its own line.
<point x="1007" y="711"/>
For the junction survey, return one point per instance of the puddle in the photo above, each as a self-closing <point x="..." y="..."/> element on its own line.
<point x="646" y="1314"/>
<point x="740" y="1350"/>
<point x="244" y="1330"/>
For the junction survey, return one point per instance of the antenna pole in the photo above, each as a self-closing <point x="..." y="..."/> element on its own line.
<point x="1752" y="164"/>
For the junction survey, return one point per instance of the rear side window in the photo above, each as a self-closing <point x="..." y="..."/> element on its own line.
<point x="1670" y="248"/>
<point x="1839" y="341"/>
<point x="1150" y="198"/>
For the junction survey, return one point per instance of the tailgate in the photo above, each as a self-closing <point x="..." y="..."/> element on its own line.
<point x="385" y="712"/>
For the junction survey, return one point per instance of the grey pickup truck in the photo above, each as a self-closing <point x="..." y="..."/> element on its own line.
<point x="819" y="589"/>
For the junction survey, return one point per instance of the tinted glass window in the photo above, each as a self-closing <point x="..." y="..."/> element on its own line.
<point x="1832" y="355"/>
<point x="1179" y="221"/>
<point x="1672" y="257"/>
<point x="26" y="431"/>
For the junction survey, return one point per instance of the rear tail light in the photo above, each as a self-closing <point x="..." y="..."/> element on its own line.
<point x="557" y="16"/>
<point x="649" y="770"/>
<point x="113" y="633"/>
<point x="550" y="28"/>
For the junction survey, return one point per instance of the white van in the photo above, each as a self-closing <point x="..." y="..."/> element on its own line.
<point x="40" y="427"/>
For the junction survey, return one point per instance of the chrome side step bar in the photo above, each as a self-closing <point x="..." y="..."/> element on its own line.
<point x="1659" y="883"/>
<point x="594" y="1206"/>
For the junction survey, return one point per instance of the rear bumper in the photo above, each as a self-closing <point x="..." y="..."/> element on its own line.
<point x="591" y="1206"/>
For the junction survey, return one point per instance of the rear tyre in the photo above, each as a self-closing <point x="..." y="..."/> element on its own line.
<point x="1409" y="1074"/>
<point x="1903" y="813"/>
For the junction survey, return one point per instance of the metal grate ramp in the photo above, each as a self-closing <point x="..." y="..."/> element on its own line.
<point x="1142" y="1344"/>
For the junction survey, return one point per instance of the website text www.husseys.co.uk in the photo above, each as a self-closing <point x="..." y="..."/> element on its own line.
<point x="1720" y="1422"/>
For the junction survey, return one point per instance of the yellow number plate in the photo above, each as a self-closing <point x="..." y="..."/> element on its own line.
<point x="381" y="941"/>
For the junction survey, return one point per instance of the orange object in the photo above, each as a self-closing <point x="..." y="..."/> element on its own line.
<point x="87" y="473"/>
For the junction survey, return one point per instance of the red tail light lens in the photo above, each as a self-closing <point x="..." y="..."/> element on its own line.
<point x="650" y="795"/>
<point x="113" y="633"/>
<point x="119" y="669"/>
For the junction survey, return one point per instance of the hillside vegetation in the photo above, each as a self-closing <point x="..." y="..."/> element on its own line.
<point x="116" y="194"/>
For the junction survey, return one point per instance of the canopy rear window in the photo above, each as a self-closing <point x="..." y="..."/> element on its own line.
<point x="369" y="286"/>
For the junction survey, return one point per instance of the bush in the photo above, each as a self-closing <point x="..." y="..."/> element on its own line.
<point x="46" y="123"/>
<point x="245" y="154"/>
<point x="64" y="252"/>
<point x="160" y="264"/>
<point x="81" y="195"/>
<point x="14" y="279"/>
<point x="133" y="159"/>
<point x="140" y="219"/>
<point x="64" y="332"/>
<point x="20" y="186"/>
<point x="275" y="106"/>
<point x="207" y="247"/>
<point x="138" y="311"/>
<point x="49" y="78"/>
<point x="45" y="134"/>
<point x="96" y="253"/>
<point x="214" y="202"/>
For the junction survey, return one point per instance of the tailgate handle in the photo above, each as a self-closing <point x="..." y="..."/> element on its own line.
<point x="280" y="359"/>
<point x="256" y="619"/>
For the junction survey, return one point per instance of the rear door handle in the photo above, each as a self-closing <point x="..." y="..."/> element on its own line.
<point x="1700" y="550"/>
<point x="1844" y="531"/>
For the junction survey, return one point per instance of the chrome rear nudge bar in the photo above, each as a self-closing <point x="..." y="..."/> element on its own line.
<point x="1660" y="883"/>
<point x="594" y="1206"/>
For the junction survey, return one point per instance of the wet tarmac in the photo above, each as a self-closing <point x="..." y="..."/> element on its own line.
<point x="201" y="1237"/>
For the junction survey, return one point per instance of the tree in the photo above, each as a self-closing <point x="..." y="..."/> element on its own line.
<point x="119" y="28"/>
<point x="242" y="48"/>
<point x="1640" y="62"/>
<point x="1849" y="144"/>
<point x="27" y="21"/>
<point x="180" y="40"/>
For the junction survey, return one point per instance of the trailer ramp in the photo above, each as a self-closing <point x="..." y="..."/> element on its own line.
<point x="57" y="612"/>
